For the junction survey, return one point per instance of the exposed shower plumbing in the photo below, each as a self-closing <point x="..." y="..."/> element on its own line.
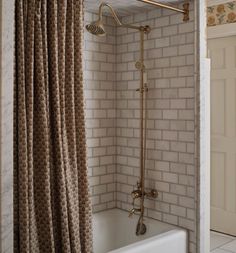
<point x="97" y="28"/>
<point x="140" y="192"/>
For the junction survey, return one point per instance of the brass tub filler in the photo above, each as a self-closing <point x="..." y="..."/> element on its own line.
<point x="97" y="28"/>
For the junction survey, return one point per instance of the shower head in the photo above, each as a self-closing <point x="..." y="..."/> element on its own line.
<point x="96" y="28"/>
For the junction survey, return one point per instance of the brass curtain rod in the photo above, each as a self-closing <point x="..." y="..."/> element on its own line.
<point x="185" y="9"/>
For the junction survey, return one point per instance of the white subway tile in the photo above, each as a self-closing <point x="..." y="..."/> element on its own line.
<point x="170" y="177"/>
<point x="173" y="219"/>
<point x="178" y="189"/>
<point x="162" y="21"/>
<point x="178" y="210"/>
<point x="170" y="30"/>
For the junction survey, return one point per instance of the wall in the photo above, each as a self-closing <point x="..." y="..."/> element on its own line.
<point x="224" y="13"/>
<point x="100" y="98"/>
<point x="170" y="166"/>
<point x="6" y="63"/>
<point x="219" y="24"/>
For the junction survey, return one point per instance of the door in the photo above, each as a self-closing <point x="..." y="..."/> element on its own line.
<point x="223" y="134"/>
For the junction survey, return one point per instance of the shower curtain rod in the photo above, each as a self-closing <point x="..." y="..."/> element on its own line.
<point x="185" y="9"/>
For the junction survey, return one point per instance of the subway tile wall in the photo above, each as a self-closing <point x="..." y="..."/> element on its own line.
<point x="100" y="109"/>
<point x="170" y="165"/>
<point x="111" y="80"/>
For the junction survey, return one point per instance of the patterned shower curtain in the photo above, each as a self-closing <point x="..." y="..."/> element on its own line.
<point x="51" y="201"/>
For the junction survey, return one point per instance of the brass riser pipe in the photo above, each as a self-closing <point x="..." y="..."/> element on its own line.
<point x="142" y="91"/>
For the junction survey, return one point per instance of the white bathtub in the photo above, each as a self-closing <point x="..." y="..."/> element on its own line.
<point x="114" y="232"/>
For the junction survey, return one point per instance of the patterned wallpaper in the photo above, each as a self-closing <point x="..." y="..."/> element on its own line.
<point x="221" y="14"/>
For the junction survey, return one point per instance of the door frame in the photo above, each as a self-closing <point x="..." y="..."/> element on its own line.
<point x="202" y="140"/>
<point x="214" y="32"/>
<point x="221" y="31"/>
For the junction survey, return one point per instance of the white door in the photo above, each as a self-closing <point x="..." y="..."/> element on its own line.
<point x="223" y="134"/>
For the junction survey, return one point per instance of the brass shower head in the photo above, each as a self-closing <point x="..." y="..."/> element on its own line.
<point x="96" y="28"/>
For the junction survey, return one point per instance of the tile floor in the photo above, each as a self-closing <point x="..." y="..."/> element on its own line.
<point x="221" y="243"/>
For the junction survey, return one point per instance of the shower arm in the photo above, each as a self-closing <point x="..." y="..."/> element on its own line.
<point x="119" y="23"/>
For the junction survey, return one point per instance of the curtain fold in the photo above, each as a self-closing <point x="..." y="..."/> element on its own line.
<point x="52" y="210"/>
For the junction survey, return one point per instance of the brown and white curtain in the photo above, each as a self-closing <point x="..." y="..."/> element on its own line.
<point x="51" y="201"/>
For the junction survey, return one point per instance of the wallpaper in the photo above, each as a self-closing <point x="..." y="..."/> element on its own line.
<point x="221" y="14"/>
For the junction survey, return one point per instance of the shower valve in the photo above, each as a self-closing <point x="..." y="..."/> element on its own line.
<point x="152" y="194"/>
<point x="133" y="211"/>
<point x="142" y="90"/>
<point x="136" y="194"/>
<point x="139" y="65"/>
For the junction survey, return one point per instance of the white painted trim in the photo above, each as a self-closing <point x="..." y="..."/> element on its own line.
<point x="216" y="2"/>
<point x="205" y="156"/>
<point x="221" y="31"/>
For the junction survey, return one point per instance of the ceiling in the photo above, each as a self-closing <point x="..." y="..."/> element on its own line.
<point x="123" y="7"/>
